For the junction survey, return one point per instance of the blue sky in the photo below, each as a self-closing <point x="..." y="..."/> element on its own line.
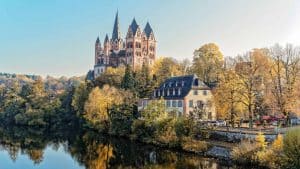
<point x="56" y="37"/>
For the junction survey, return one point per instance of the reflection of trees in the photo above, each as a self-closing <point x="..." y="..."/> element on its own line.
<point x="95" y="151"/>
<point x="92" y="151"/>
<point x="35" y="155"/>
<point x="104" y="153"/>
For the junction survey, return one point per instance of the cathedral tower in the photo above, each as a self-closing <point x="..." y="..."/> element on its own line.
<point x="149" y="45"/>
<point x="139" y="47"/>
<point x="134" y="45"/>
<point x="98" y="50"/>
<point x="116" y="40"/>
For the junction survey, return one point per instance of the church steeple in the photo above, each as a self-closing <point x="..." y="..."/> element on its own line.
<point x="116" y="31"/>
<point x="97" y="40"/>
<point x="134" y="26"/>
<point x="148" y="30"/>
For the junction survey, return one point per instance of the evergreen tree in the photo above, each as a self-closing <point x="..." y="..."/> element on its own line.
<point x="128" y="80"/>
<point x="144" y="83"/>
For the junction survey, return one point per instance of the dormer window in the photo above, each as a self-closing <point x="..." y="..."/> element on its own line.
<point x="163" y="93"/>
<point x="179" y="91"/>
<point x="182" y="83"/>
<point x="168" y="92"/>
<point x="170" y="84"/>
<point x="154" y="93"/>
<point x="176" y="83"/>
<point x="173" y="92"/>
<point x="196" y="82"/>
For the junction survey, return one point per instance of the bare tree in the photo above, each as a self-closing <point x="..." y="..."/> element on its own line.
<point x="284" y="74"/>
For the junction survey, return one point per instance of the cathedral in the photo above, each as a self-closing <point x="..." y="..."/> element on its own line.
<point x="139" y="47"/>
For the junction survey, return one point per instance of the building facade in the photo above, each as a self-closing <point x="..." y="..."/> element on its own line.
<point x="185" y="95"/>
<point x="138" y="47"/>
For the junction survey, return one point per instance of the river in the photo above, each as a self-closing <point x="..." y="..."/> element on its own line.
<point x="36" y="149"/>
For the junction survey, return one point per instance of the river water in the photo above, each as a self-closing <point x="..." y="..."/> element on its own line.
<point x="34" y="149"/>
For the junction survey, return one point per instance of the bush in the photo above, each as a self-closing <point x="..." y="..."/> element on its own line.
<point x="141" y="130"/>
<point x="182" y="127"/>
<point x="244" y="152"/>
<point x="271" y="157"/>
<point x="165" y="132"/>
<point x="193" y="145"/>
<point x="291" y="148"/>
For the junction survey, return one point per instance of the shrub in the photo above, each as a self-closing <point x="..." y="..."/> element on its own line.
<point x="141" y="130"/>
<point x="261" y="141"/>
<point x="291" y="148"/>
<point x="193" y="145"/>
<point x="165" y="132"/>
<point x="273" y="155"/>
<point x="182" y="127"/>
<point x="244" y="152"/>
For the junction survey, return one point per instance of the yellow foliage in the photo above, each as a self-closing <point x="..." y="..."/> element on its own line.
<point x="261" y="141"/>
<point x="105" y="153"/>
<point x="100" y="101"/>
<point x="278" y="143"/>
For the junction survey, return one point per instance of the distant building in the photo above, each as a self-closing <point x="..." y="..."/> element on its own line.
<point x="138" y="47"/>
<point x="184" y="95"/>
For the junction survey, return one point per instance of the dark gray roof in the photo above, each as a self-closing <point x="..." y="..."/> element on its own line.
<point x="106" y="39"/>
<point x="120" y="53"/>
<point x="134" y="26"/>
<point x="182" y="83"/>
<point x="148" y="30"/>
<point x="116" y="31"/>
<point x="97" y="40"/>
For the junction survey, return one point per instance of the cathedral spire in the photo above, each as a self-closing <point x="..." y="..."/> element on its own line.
<point x="134" y="26"/>
<point x="106" y="40"/>
<point x="148" y="30"/>
<point x="97" y="40"/>
<point x="116" y="31"/>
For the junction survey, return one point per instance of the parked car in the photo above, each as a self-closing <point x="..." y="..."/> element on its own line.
<point x="274" y="123"/>
<point x="221" y="123"/>
<point x="295" y="121"/>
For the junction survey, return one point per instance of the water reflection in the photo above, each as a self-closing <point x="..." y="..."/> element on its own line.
<point x="94" y="151"/>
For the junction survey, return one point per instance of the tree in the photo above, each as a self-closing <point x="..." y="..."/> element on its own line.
<point x="99" y="103"/>
<point x="284" y="73"/>
<point x="111" y="77"/>
<point x="121" y="118"/>
<point x="249" y="69"/>
<point x="144" y="83"/>
<point x="165" y="67"/>
<point x="128" y="80"/>
<point x="227" y="96"/>
<point x="96" y="108"/>
<point x="154" y="111"/>
<point x="207" y="63"/>
<point x="80" y="96"/>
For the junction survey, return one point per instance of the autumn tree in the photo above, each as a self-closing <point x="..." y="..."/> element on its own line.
<point x="250" y="68"/>
<point x="207" y="63"/>
<point x="164" y="68"/>
<point x="154" y="111"/>
<point x="99" y="103"/>
<point x="284" y="72"/>
<point x="227" y="96"/>
<point x="111" y="76"/>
